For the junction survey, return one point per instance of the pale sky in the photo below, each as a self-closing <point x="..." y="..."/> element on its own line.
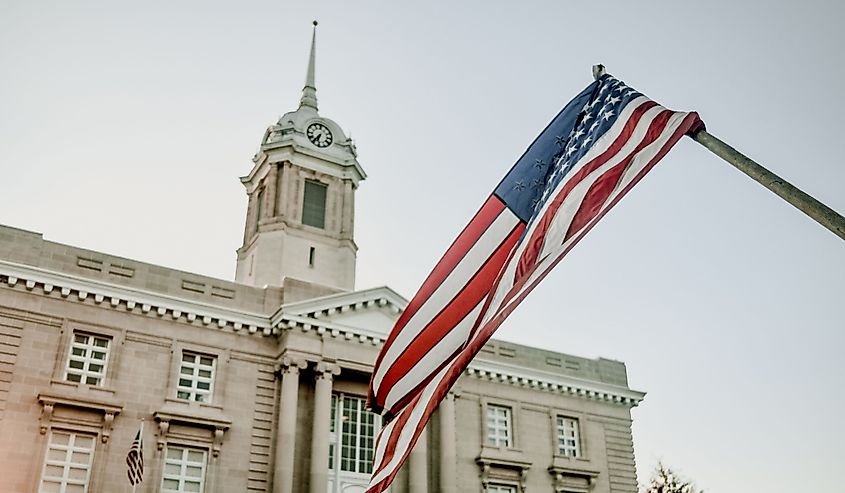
<point x="124" y="127"/>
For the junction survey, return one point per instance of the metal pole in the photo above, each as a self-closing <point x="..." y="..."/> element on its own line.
<point x="821" y="213"/>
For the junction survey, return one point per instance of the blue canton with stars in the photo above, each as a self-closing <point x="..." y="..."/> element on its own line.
<point x="559" y="147"/>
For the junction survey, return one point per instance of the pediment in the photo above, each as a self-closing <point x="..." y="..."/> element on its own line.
<point x="372" y="310"/>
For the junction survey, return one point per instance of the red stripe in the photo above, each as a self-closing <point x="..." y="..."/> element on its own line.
<point x="458" y="308"/>
<point x="485" y="216"/>
<point x="535" y="243"/>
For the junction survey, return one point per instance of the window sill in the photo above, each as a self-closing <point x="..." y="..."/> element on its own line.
<point x="196" y="413"/>
<point x="194" y="405"/>
<point x="567" y="461"/>
<point x="96" y="391"/>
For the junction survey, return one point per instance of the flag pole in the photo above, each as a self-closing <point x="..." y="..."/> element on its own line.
<point x="802" y="201"/>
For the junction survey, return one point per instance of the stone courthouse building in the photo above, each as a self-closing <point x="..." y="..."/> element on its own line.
<point x="259" y="384"/>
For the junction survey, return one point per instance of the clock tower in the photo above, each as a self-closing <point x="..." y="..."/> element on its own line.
<point x="301" y="192"/>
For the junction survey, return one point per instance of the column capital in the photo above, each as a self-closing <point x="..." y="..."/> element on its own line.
<point x="291" y="364"/>
<point x="326" y="370"/>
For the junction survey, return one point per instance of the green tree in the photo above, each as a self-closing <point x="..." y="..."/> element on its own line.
<point x="664" y="480"/>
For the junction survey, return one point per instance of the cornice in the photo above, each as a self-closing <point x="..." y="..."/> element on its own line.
<point x="308" y="319"/>
<point x="129" y="299"/>
<point x="327" y="328"/>
<point x="342" y="302"/>
<point x="553" y="382"/>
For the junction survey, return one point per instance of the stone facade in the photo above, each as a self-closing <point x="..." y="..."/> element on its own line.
<point x="259" y="385"/>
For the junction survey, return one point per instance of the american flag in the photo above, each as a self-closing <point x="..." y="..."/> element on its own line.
<point x="591" y="154"/>
<point x="135" y="459"/>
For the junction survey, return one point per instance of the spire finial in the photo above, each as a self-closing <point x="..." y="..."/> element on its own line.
<point x="309" y="92"/>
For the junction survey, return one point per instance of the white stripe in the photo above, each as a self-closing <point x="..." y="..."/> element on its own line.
<point x="435" y="357"/>
<point x="474" y="259"/>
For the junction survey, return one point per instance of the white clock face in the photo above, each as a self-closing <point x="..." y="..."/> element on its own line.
<point x="319" y="135"/>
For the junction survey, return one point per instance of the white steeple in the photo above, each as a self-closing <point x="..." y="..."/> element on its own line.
<point x="301" y="189"/>
<point x="309" y="92"/>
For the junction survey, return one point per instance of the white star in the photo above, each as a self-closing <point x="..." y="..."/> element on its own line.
<point x="586" y="142"/>
<point x="594" y="125"/>
<point x="570" y="150"/>
<point x="613" y="100"/>
<point x="578" y="133"/>
<point x="586" y="117"/>
<point x="608" y="115"/>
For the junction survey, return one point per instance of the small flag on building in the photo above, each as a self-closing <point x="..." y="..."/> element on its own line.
<point x="591" y="154"/>
<point x="135" y="458"/>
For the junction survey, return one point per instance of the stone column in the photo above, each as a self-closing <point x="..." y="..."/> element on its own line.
<point x="347" y="214"/>
<point x="320" y="435"/>
<point x="448" y="453"/>
<point x="286" y="430"/>
<point x="418" y="465"/>
<point x="272" y="180"/>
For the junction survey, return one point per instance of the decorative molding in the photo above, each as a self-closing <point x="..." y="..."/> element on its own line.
<point x="50" y="401"/>
<point x="331" y="329"/>
<point x="572" y="479"/>
<point x="328" y="305"/>
<point x="131" y="299"/>
<point x="292" y="365"/>
<point x="502" y="469"/>
<point x="553" y="382"/>
<point x="211" y="419"/>
<point x="327" y="370"/>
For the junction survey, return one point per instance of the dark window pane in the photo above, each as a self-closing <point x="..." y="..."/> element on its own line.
<point x="314" y="204"/>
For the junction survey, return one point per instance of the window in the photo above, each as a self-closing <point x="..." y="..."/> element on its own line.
<point x="87" y="360"/>
<point x="196" y="377"/>
<point x="500" y="488"/>
<point x="314" y="204"/>
<point x="184" y="470"/>
<point x="499" y="426"/>
<point x="67" y="465"/>
<point x="568" y="444"/>
<point x="354" y="438"/>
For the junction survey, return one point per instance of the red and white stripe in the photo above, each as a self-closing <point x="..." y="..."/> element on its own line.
<point x="438" y="320"/>
<point x="135" y="460"/>
<point x="641" y="136"/>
